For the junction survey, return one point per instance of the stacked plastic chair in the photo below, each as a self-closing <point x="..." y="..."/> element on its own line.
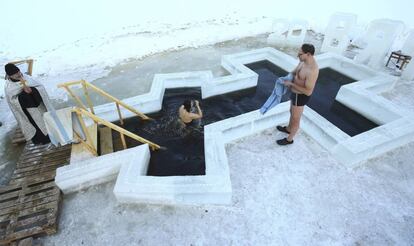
<point x="337" y="32"/>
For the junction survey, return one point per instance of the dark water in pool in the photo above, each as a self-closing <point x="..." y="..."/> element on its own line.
<point x="185" y="147"/>
<point x="323" y="101"/>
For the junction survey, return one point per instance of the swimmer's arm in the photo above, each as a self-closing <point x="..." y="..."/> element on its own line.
<point x="180" y="111"/>
<point x="200" y="113"/>
<point x="194" y="116"/>
<point x="197" y="116"/>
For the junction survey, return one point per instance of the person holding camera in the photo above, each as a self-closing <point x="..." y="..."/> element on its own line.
<point x="186" y="115"/>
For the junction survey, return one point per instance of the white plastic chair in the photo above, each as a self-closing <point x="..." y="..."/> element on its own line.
<point x="288" y="33"/>
<point x="280" y="28"/>
<point x="408" y="47"/>
<point x="297" y="32"/>
<point x="379" y="38"/>
<point x="336" y="34"/>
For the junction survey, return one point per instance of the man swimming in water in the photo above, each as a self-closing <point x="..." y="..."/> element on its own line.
<point x="186" y="116"/>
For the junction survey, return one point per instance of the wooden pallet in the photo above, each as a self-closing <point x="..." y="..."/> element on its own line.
<point x="39" y="161"/>
<point x="29" y="204"/>
<point x="24" y="242"/>
<point x="18" y="137"/>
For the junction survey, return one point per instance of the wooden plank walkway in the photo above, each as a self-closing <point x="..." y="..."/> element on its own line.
<point x="18" y="137"/>
<point x="29" y="205"/>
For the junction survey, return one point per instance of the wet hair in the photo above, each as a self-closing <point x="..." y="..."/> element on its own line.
<point x="308" y="48"/>
<point x="187" y="105"/>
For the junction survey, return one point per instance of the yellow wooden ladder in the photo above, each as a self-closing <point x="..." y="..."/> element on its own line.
<point x="82" y="110"/>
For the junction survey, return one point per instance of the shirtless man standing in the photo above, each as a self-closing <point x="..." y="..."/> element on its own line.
<point x="305" y="76"/>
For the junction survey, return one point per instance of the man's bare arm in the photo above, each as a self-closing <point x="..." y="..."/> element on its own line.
<point x="194" y="116"/>
<point x="200" y="113"/>
<point x="310" y="82"/>
<point x="296" y="68"/>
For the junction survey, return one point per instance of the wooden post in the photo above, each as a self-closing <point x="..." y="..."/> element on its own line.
<point x="123" y="140"/>
<point x="77" y="99"/>
<point x="118" y="129"/>
<point x="88" y="99"/>
<point x="103" y="93"/>
<point x="70" y="83"/>
<point x="119" y="114"/>
<point x="30" y="67"/>
<point x="88" y="137"/>
<point x="90" y="148"/>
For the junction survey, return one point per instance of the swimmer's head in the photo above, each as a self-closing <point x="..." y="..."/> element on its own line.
<point x="187" y="105"/>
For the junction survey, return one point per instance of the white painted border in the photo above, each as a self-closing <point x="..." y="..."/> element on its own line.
<point x="215" y="187"/>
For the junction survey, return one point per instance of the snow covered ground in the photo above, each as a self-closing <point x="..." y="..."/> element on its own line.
<point x="78" y="39"/>
<point x="281" y="196"/>
<point x="296" y="195"/>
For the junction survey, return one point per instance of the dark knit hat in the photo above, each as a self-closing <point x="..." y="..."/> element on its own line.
<point x="11" y="69"/>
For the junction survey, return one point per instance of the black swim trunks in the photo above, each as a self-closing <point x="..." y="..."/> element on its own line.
<point x="299" y="99"/>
